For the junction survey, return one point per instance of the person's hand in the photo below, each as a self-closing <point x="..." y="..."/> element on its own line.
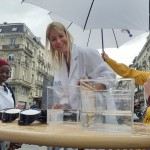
<point x="57" y="106"/>
<point x="99" y="86"/>
<point x="82" y="77"/>
<point x="60" y="106"/>
<point x="104" y="56"/>
<point x="147" y="87"/>
<point x="14" y="146"/>
<point x="94" y="86"/>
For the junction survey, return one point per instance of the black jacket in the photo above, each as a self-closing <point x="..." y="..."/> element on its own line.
<point x="13" y="96"/>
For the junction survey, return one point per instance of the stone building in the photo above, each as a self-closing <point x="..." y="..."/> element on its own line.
<point x="142" y="62"/>
<point x="29" y="60"/>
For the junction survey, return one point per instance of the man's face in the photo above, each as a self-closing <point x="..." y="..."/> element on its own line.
<point x="4" y="73"/>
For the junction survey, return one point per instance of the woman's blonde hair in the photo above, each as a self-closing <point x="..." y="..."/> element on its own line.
<point x="56" y="57"/>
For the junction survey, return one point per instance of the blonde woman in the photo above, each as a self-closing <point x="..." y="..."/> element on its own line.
<point x="72" y="62"/>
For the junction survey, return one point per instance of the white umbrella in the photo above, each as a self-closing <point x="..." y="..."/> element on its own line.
<point x="95" y="14"/>
<point x="112" y="38"/>
<point x="118" y="15"/>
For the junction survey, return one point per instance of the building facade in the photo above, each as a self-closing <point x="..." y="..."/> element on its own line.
<point x="142" y="62"/>
<point x="29" y="60"/>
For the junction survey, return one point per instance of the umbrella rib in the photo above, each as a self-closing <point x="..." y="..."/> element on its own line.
<point x="88" y="15"/>
<point x="102" y="36"/>
<point x="88" y="38"/>
<point x="115" y="37"/>
<point x="69" y="25"/>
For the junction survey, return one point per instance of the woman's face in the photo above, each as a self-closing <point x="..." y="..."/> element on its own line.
<point x="58" y="41"/>
<point x="4" y="73"/>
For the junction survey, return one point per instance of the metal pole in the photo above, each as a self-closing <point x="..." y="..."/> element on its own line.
<point x="102" y="41"/>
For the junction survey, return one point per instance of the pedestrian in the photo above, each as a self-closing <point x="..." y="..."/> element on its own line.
<point x="7" y="99"/>
<point x="34" y="106"/>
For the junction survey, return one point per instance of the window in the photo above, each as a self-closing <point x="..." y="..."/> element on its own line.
<point x="14" y="29"/>
<point x="39" y="53"/>
<point x="27" y="45"/>
<point x="11" y="57"/>
<point x="1" y="30"/>
<point x="32" y="79"/>
<point x="36" y="91"/>
<point x="12" y="73"/>
<point x="26" y="59"/>
<point x="12" y="41"/>
<point x="34" y="51"/>
<point x="24" y="75"/>
<point x="33" y="65"/>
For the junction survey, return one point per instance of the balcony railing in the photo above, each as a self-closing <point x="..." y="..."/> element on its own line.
<point x="28" y="50"/>
<point x="10" y="46"/>
<point x="41" y="71"/>
<point x="16" y="46"/>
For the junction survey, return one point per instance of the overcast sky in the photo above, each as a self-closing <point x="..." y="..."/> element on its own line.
<point x="37" y="19"/>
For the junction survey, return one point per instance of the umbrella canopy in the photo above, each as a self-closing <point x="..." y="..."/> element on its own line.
<point x="112" y="38"/>
<point x="95" y="14"/>
<point x="101" y="16"/>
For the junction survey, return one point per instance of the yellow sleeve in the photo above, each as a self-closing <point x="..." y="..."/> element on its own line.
<point x="126" y="72"/>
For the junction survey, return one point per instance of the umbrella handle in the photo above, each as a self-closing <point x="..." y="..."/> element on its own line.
<point x="102" y="40"/>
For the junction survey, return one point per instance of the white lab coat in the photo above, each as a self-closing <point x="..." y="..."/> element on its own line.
<point x="6" y="102"/>
<point x="84" y="62"/>
<point x="6" y="99"/>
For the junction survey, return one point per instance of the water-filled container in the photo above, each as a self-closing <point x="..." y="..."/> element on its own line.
<point x="107" y="104"/>
<point x="63" y="104"/>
